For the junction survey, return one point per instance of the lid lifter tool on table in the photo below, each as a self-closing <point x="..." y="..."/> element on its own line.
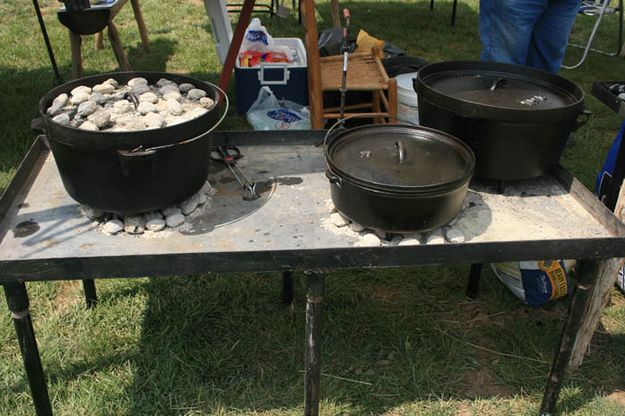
<point x="228" y="154"/>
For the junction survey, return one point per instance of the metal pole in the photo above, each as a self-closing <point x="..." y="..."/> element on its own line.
<point x="287" y="287"/>
<point x="579" y="303"/>
<point x="17" y="300"/>
<point x="474" y="280"/>
<point x="345" y="50"/>
<point x="453" y="12"/>
<point x="44" y="32"/>
<point x="315" y="288"/>
<point x="91" y="296"/>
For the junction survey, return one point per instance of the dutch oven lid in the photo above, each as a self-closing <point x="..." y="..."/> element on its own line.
<point x="400" y="158"/>
<point x="499" y="87"/>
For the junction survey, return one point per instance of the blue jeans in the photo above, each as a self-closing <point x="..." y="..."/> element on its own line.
<point x="527" y="32"/>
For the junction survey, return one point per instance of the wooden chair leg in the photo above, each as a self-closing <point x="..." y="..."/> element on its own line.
<point x="99" y="41"/>
<point x="316" y="113"/>
<point x="76" y="43"/>
<point x="116" y="44"/>
<point x="376" y="105"/>
<point x="315" y="94"/>
<point x="143" y="32"/>
<point x="336" y="19"/>
<point x="392" y="100"/>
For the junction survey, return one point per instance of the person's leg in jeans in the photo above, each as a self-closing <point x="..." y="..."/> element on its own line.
<point x="506" y="28"/>
<point x="551" y="35"/>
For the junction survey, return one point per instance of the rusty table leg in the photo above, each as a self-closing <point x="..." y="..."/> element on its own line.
<point x="287" y="287"/>
<point x="17" y="300"/>
<point x="474" y="280"/>
<point x="91" y="296"/>
<point x="579" y="303"/>
<point x="315" y="288"/>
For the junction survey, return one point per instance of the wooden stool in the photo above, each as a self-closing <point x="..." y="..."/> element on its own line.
<point x="92" y="21"/>
<point x="365" y="72"/>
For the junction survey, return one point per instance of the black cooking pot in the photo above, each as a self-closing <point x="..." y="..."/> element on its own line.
<point x="516" y="119"/>
<point x="398" y="178"/>
<point x="134" y="171"/>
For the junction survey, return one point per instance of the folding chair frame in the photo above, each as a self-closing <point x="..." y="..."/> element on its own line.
<point x="587" y="48"/>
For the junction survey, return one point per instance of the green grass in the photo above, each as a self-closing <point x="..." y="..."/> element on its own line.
<point x="396" y="342"/>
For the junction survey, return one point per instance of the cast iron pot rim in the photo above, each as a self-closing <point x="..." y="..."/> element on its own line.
<point x="471" y="109"/>
<point x="421" y="190"/>
<point x="396" y="194"/>
<point x="167" y="135"/>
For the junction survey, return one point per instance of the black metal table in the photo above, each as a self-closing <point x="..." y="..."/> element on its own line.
<point x="43" y="236"/>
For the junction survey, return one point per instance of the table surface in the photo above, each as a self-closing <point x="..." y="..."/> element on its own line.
<point x="44" y="234"/>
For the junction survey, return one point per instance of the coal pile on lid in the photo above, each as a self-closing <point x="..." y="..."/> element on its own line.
<point x="137" y="105"/>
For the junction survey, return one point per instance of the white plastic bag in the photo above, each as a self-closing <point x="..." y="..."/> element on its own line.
<point x="258" y="40"/>
<point x="269" y="113"/>
<point x="256" y="37"/>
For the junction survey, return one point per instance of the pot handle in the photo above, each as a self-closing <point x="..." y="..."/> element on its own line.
<point x="341" y="121"/>
<point x="582" y="119"/>
<point x="401" y="151"/>
<point x="37" y="125"/>
<point x="334" y="179"/>
<point x="499" y="82"/>
<point x="217" y="102"/>
<point x="132" y="97"/>
<point x="128" y="156"/>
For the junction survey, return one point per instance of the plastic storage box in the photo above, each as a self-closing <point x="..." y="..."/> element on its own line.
<point x="287" y="81"/>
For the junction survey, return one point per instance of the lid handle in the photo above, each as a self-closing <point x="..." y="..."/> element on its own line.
<point x="401" y="151"/>
<point x="499" y="82"/>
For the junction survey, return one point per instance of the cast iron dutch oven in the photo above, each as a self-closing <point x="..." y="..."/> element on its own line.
<point x="134" y="171"/>
<point x="516" y="119"/>
<point x="398" y="178"/>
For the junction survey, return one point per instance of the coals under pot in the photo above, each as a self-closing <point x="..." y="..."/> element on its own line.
<point x="133" y="171"/>
<point x="398" y="178"/>
<point x="516" y="119"/>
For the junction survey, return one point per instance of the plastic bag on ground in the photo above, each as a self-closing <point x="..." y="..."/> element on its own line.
<point x="536" y="282"/>
<point x="269" y="113"/>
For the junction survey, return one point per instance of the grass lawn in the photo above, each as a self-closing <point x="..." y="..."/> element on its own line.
<point x="396" y="342"/>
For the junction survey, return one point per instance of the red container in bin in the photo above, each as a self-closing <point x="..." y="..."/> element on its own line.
<point x="288" y="81"/>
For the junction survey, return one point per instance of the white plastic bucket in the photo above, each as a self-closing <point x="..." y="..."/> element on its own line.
<point x="407" y="103"/>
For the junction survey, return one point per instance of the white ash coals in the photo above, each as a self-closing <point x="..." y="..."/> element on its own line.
<point x="364" y="237"/>
<point x="108" y="107"/>
<point x="473" y="216"/>
<point x="154" y="224"/>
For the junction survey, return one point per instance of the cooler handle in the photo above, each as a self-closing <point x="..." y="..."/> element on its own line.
<point x="285" y="74"/>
